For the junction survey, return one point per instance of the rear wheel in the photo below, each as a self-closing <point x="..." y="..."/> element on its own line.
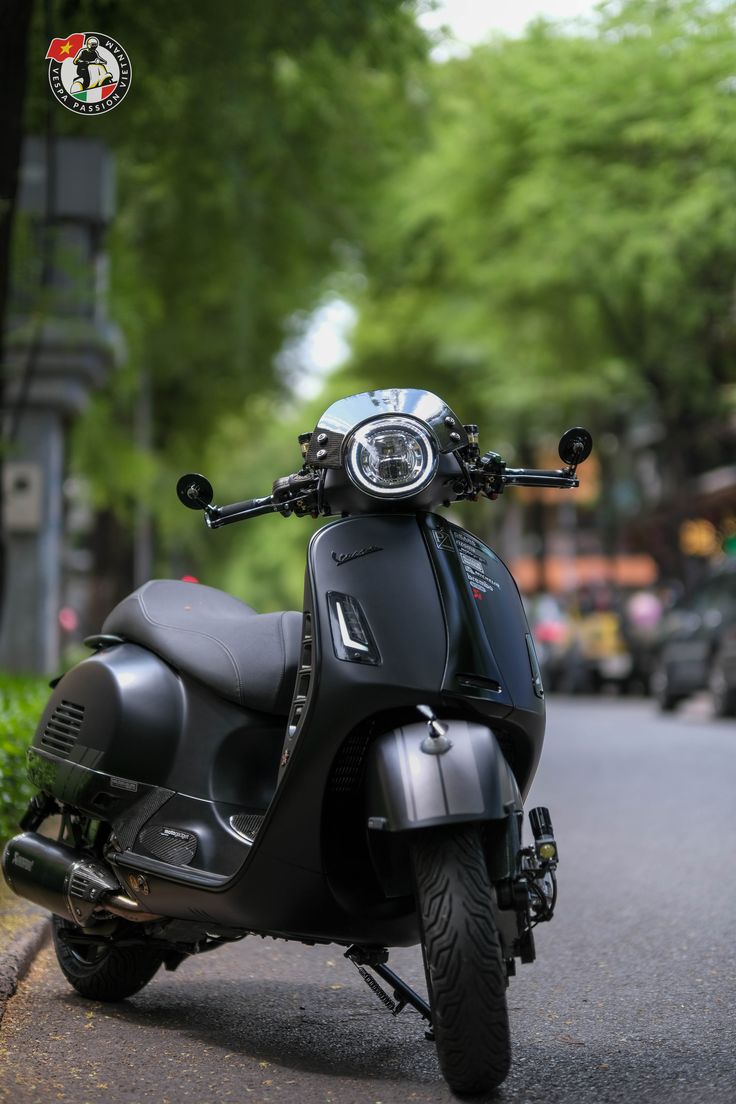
<point x="99" y="971"/>
<point x="103" y="973"/>
<point x="466" y="975"/>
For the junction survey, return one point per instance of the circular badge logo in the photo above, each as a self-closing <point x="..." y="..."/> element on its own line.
<point x="89" y="73"/>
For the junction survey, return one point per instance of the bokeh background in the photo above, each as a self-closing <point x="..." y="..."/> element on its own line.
<point x="529" y="209"/>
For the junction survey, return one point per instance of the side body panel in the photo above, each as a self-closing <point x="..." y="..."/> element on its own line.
<point x="126" y="739"/>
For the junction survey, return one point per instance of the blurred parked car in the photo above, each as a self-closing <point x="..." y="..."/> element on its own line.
<point x="697" y="646"/>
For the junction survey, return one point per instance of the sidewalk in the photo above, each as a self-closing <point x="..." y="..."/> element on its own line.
<point x="24" y="928"/>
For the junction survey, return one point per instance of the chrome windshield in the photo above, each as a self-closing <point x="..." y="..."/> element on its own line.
<point x="345" y="414"/>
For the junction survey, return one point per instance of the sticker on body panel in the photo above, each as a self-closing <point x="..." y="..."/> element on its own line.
<point x="474" y="556"/>
<point x="443" y="538"/>
<point x="476" y="560"/>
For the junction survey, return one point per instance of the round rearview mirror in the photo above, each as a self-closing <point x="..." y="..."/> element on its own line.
<point x="194" y="491"/>
<point x="575" y="446"/>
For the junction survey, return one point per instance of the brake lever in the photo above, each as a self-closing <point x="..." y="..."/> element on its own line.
<point x="299" y="494"/>
<point x="492" y="476"/>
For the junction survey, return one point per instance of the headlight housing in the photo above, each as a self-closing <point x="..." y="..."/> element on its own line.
<point x="391" y="457"/>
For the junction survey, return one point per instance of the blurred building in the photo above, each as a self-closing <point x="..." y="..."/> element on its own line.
<point x="688" y="521"/>
<point x="636" y="520"/>
<point x="60" y="345"/>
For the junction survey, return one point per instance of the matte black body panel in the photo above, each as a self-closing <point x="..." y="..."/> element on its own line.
<point x="408" y="788"/>
<point x="133" y="711"/>
<point x="158" y="749"/>
<point x="487" y="630"/>
<point x="397" y="592"/>
<point x="145" y="722"/>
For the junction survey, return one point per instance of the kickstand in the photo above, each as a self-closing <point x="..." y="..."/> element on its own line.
<point x="376" y="958"/>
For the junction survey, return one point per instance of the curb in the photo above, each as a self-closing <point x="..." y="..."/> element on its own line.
<point x="17" y="957"/>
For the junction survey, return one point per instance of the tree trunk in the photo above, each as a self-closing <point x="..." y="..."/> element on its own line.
<point x="15" y="20"/>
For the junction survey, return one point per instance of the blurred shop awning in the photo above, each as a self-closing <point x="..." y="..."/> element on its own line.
<point x="566" y="573"/>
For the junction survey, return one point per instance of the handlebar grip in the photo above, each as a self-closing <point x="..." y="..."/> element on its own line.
<point x="241" y="507"/>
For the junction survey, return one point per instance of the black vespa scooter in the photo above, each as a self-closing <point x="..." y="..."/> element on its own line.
<point x="352" y="774"/>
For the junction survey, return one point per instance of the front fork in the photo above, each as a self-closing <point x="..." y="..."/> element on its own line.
<point x="529" y="895"/>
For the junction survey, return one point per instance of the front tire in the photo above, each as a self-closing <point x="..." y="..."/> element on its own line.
<point x="104" y="973"/>
<point x="466" y="974"/>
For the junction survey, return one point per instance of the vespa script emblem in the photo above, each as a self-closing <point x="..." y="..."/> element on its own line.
<point x="346" y="557"/>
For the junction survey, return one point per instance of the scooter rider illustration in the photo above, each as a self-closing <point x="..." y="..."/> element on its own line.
<point x="87" y="56"/>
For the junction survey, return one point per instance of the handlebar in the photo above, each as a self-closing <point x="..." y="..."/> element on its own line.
<point x="302" y="492"/>
<point x="217" y="516"/>
<point x="298" y="494"/>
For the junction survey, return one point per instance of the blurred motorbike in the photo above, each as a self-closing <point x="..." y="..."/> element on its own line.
<point x="351" y="774"/>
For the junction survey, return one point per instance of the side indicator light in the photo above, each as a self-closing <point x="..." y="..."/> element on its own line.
<point x="351" y="635"/>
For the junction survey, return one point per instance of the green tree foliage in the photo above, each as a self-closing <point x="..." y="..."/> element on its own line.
<point x="246" y="153"/>
<point x="546" y="230"/>
<point x="260" y="561"/>
<point x="566" y="240"/>
<point x="21" y="704"/>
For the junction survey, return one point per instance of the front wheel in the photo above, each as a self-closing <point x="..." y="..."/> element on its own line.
<point x="466" y="975"/>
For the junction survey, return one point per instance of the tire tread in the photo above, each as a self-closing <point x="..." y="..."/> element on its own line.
<point x="467" y="975"/>
<point x="120" y="973"/>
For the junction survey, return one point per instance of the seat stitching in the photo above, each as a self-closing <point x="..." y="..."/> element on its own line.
<point x="196" y="632"/>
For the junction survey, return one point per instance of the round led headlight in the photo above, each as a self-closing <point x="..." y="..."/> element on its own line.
<point x="391" y="457"/>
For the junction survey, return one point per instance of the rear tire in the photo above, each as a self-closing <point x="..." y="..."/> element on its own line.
<point x="104" y="973"/>
<point x="466" y="974"/>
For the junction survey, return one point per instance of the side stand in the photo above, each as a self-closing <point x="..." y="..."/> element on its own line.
<point x="376" y="958"/>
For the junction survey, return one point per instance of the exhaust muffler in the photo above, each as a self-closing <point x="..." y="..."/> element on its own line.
<point x="62" y="880"/>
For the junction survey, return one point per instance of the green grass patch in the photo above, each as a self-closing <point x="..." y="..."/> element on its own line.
<point x="22" y="701"/>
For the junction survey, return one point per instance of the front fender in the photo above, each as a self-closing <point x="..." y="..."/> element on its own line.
<point x="407" y="788"/>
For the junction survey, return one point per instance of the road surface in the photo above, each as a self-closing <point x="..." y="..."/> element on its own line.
<point x="632" y="997"/>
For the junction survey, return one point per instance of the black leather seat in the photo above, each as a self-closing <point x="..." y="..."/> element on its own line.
<point x="250" y="658"/>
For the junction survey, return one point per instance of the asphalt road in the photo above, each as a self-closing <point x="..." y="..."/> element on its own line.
<point x="632" y="998"/>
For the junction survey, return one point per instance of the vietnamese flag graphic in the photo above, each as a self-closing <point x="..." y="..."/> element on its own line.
<point x="62" y="48"/>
